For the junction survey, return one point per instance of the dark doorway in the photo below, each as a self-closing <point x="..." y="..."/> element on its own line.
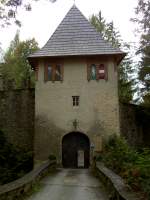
<point x="75" y="150"/>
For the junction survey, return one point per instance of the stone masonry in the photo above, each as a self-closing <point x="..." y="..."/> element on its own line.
<point x="97" y="114"/>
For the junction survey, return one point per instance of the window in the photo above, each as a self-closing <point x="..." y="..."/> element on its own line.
<point x="97" y="72"/>
<point x="58" y="74"/>
<point x="49" y="73"/>
<point x="75" y="100"/>
<point x="53" y="72"/>
<point x="93" y="72"/>
<point x="101" y="71"/>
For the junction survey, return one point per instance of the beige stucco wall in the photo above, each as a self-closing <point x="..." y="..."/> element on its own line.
<point x="97" y="114"/>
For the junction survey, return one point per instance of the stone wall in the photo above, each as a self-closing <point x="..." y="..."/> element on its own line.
<point x="17" y="114"/>
<point x="115" y="184"/>
<point x="97" y="114"/>
<point x="19" y="188"/>
<point x="135" y="124"/>
<point x="17" y="117"/>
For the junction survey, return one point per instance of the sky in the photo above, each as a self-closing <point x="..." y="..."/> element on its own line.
<point x="44" y="18"/>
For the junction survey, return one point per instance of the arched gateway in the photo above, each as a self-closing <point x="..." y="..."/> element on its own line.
<point x="75" y="150"/>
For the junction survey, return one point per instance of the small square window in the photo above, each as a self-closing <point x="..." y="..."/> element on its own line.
<point x="75" y="100"/>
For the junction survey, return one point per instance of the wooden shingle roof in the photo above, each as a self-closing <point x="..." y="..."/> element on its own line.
<point x="76" y="36"/>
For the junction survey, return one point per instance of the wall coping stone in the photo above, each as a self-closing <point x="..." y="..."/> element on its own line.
<point x="28" y="178"/>
<point x="117" y="182"/>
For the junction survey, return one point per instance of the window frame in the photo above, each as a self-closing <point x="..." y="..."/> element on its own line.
<point x="51" y="76"/>
<point x="53" y="79"/>
<point x="75" y="101"/>
<point x="102" y="75"/>
<point x="98" y="75"/>
<point x="58" y="64"/>
<point x="93" y="77"/>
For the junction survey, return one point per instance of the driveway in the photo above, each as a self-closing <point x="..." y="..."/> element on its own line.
<point x="70" y="184"/>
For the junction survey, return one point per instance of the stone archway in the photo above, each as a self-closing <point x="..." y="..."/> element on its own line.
<point x="75" y="150"/>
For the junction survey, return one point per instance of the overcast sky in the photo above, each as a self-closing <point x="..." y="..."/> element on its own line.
<point x="44" y="18"/>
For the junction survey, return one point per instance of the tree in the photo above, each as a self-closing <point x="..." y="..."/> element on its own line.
<point x="1" y="53"/>
<point x="16" y="69"/>
<point x="8" y="10"/>
<point x="110" y="34"/>
<point x="126" y="81"/>
<point x="143" y="21"/>
<point x="107" y="30"/>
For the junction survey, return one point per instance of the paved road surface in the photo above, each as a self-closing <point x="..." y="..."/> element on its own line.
<point x="70" y="184"/>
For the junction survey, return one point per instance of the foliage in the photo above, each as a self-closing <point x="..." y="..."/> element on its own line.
<point x="107" y="30"/>
<point x="1" y="53"/>
<point x="35" y="187"/>
<point x="16" y="68"/>
<point x="132" y="165"/>
<point x="9" y="8"/>
<point x="52" y="157"/>
<point x="143" y="21"/>
<point x="110" y="34"/>
<point x="126" y="81"/>
<point x="14" y="163"/>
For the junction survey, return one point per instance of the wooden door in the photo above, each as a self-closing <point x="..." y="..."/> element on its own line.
<point x="72" y="144"/>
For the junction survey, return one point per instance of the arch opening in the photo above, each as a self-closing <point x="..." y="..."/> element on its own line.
<point x="75" y="150"/>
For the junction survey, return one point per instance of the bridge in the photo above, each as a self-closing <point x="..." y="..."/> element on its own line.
<point x="70" y="184"/>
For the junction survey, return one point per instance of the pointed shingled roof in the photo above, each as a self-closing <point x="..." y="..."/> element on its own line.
<point x="76" y="36"/>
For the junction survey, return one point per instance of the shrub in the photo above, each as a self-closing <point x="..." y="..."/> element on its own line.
<point x="14" y="162"/>
<point x="52" y="157"/>
<point x="132" y="165"/>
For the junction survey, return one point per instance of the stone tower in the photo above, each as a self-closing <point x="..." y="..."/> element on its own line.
<point x="76" y="93"/>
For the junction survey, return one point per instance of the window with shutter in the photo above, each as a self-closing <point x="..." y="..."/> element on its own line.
<point x="93" y="72"/>
<point x="97" y="72"/>
<point x="88" y="72"/>
<point x="101" y="71"/>
<point x="58" y="72"/>
<point x="53" y="72"/>
<point x="49" y="72"/>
